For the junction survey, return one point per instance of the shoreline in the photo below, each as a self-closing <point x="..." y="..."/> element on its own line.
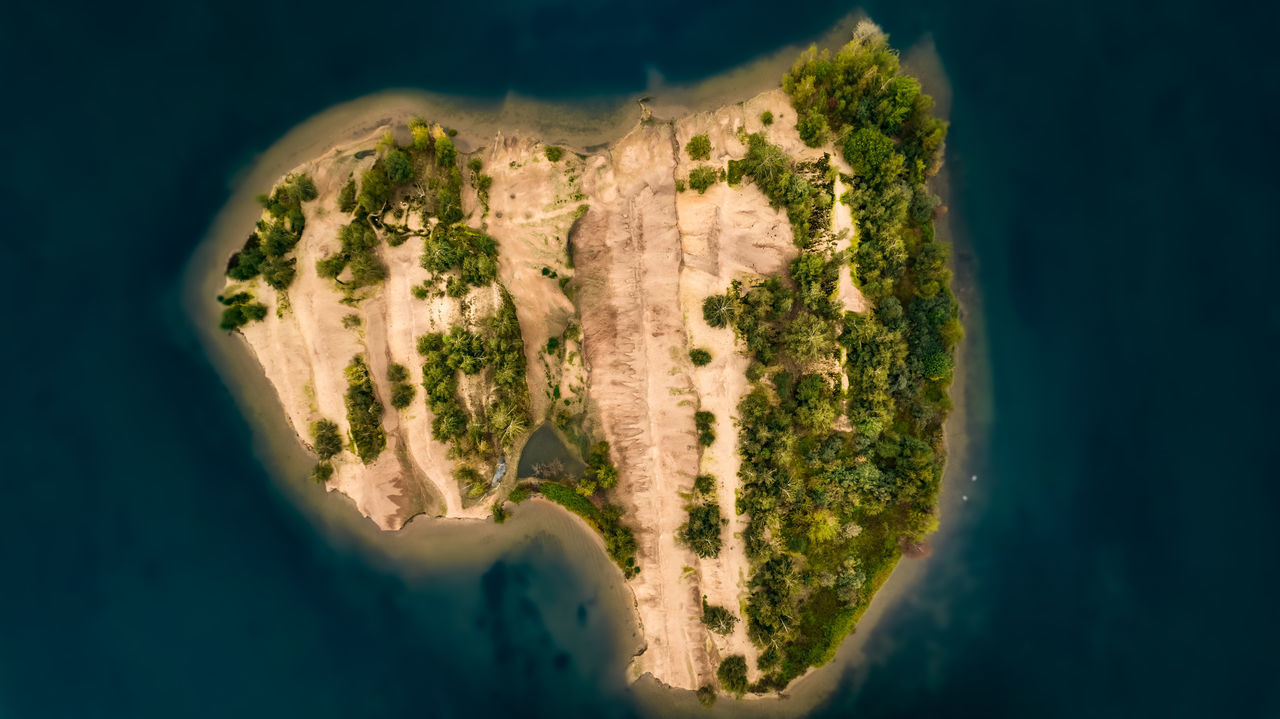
<point x="570" y="126"/>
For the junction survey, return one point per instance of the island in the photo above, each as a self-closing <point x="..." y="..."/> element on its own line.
<point x="724" y="341"/>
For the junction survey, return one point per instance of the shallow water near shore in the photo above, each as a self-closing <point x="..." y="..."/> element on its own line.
<point x="1110" y="559"/>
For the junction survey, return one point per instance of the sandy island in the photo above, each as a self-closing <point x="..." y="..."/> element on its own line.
<point x="644" y="255"/>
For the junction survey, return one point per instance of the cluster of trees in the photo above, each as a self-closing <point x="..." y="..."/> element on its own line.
<point x="701" y="532"/>
<point x="600" y="473"/>
<point x="472" y="253"/>
<point x="327" y="444"/>
<point x="240" y="310"/>
<point x="358" y="243"/>
<point x="772" y="324"/>
<point x="803" y="189"/>
<point x="402" y="391"/>
<point x="705" y="423"/>
<point x="829" y="510"/>
<point x="364" y="412"/>
<point x="498" y="352"/>
<point x="480" y="182"/>
<point x="266" y="251"/>
<point x="860" y="88"/>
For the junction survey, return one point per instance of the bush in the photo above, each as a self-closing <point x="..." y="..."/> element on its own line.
<point x="703" y="177"/>
<point x="553" y="153"/>
<point x="699" y="147"/>
<point x="732" y="674"/>
<point x="699" y="357"/>
<point x="704" y="484"/>
<point x="766" y="117"/>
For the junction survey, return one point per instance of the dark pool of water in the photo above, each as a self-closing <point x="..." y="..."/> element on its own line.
<point x="546" y="448"/>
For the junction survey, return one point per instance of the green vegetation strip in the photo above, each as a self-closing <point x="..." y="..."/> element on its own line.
<point x="830" y="511"/>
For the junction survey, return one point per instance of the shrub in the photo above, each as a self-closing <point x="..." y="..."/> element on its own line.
<point x="704" y="484"/>
<point x="732" y="674"/>
<point x="699" y="147"/>
<point x="553" y="153"/>
<point x="703" y="177"/>
<point x="699" y="357"/>
<point x="766" y="117"/>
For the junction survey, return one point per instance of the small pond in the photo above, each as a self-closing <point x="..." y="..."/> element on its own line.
<point x="547" y="451"/>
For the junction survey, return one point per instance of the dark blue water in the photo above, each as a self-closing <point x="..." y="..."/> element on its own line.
<point x="1112" y="192"/>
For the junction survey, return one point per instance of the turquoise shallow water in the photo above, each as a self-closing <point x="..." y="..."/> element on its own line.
<point x="1110" y="190"/>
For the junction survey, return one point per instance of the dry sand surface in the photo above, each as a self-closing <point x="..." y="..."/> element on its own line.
<point x="644" y="257"/>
